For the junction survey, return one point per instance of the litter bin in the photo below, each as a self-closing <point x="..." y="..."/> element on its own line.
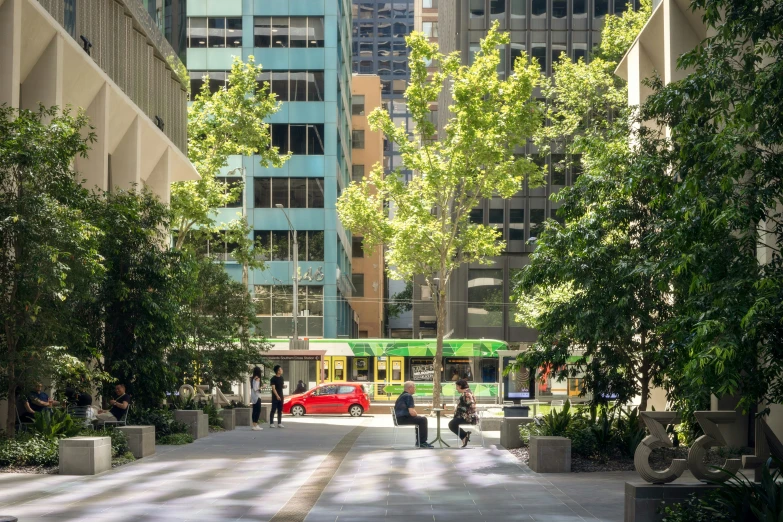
<point x="516" y="411"/>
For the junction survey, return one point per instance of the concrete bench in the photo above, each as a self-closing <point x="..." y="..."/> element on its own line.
<point x="229" y="419"/>
<point x="141" y="440"/>
<point x="509" y="431"/>
<point x="85" y="455"/>
<point x="243" y="416"/>
<point x="550" y="454"/>
<point x="197" y="421"/>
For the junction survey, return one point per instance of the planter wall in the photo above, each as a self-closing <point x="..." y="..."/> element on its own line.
<point x="550" y="454"/>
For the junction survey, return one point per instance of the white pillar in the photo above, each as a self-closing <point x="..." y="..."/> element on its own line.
<point x="10" y="51"/>
<point x="94" y="169"/>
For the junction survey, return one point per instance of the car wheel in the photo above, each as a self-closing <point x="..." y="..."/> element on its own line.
<point x="297" y="410"/>
<point x="356" y="410"/>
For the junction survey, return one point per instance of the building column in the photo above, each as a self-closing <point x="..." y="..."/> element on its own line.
<point x="125" y="165"/>
<point x="95" y="167"/>
<point x="44" y="84"/>
<point x="159" y="179"/>
<point x="10" y="51"/>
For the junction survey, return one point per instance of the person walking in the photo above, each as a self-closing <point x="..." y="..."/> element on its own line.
<point x="276" y="383"/>
<point x="255" y="397"/>
<point x="465" y="412"/>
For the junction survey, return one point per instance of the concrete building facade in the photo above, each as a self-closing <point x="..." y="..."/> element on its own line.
<point x="106" y="57"/>
<point x="305" y="50"/>
<point x="368" y="266"/>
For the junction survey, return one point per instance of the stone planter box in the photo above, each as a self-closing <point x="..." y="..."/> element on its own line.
<point x="229" y="419"/>
<point x="197" y="421"/>
<point x="243" y="416"/>
<point x="85" y="455"/>
<point x="550" y="454"/>
<point x="509" y="431"/>
<point x="141" y="440"/>
<point x="491" y="423"/>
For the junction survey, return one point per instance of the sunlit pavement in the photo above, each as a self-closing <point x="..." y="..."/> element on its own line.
<point x="251" y="476"/>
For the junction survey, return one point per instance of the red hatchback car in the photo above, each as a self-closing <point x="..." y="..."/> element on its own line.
<point x="341" y="397"/>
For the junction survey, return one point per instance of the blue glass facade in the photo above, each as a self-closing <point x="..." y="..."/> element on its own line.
<point x="305" y="50"/>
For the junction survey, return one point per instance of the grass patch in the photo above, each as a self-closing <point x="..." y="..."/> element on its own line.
<point x="175" y="439"/>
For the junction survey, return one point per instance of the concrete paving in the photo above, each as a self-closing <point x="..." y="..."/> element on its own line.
<point x="244" y="475"/>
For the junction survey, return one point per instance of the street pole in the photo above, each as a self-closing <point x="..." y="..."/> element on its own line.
<point x="296" y="273"/>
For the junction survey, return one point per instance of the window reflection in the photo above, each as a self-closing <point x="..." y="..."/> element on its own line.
<point x="485" y="297"/>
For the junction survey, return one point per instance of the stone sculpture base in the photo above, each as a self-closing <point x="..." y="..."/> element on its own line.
<point x="643" y="501"/>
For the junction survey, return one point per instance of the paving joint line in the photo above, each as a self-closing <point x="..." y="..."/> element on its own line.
<point x="306" y="496"/>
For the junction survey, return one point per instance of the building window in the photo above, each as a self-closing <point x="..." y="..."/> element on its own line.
<point x="559" y="8"/>
<point x="357" y="247"/>
<point x="366" y="10"/>
<point x="497" y="7"/>
<point x="539" y="8"/>
<point x="601" y="8"/>
<point x="516" y="221"/>
<point x="311" y="244"/>
<point x="275" y="304"/>
<point x="69" y="22"/>
<point x="216" y="32"/>
<point x="357" y="105"/>
<point x="580" y="51"/>
<point x="358" y="284"/>
<point x="496" y="219"/>
<point x="518" y="9"/>
<point x="538" y="52"/>
<point x="485" y="298"/>
<point x="357" y="173"/>
<point x="285" y="32"/>
<point x="289" y="192"/>
<point x="299" y="139"/>
<point x="580" y="8"/>
<point x="477" y="216"/>
<point x="217" y="80"/>
<point x="476" y="8"/>
<point x="430" y="29"/>
<point x="430" y="4"/>
<point x="230" y="183"/>
<point x="357" y="139"/>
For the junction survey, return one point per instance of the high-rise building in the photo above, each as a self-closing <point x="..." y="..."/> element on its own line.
<point x="171" y="19"/>
<point x="107" y="57"/>
<point x="368" y="267"/>
<point x="480" y="295"/>
<point x="305" y="51"/>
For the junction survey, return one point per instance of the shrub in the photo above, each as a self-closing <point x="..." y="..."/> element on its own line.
<point x="163" y="420"/>
<point x="176" y="439"/>
<point x="235" y="404"/>
<point x="184" y="403"/>
<point x="211" y="410"/>
<point x="55" y="425"/>
<point x="583" y="442"/>
<point x="29" y="450"/>
<point x="119" y="441"/>
<point x="123" y="458"/>
<point x="630" y="432"/>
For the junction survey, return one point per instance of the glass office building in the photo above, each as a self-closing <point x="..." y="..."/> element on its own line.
<point x="171" y="19"/>
<point x="481" y="294"/>
<point x="305" y="51"/>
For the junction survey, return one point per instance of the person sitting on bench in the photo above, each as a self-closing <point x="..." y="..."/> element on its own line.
<point x="118" y="406"/>
<point x="40" y="401"/>
<point x="406" y="414"/>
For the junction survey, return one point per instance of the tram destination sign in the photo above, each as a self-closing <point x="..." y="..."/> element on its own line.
<point x="294" y="357"/>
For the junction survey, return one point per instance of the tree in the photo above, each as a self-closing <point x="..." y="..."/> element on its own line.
<point x="587" y="289"/>
<point x="230" y="121"/>
<point x="726" y="222"/>
<point x="217" y="319"/>
<point x="401" y="302"/>
<point x="132" y="315"/>
<point x="430" y="233"/>
<point x="43" y="237"/>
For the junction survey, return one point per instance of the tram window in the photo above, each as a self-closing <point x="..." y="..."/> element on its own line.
<point x="382" y="370"/>
<point x="361" y="369"/>
<point x="489" y="370"/>
<point x="396" y="370"/>
<point x="339" y="371"/>
<point x="458" y="369"/>
<point x="422" y="369"/>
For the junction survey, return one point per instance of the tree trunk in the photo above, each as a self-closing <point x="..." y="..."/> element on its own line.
<point x="10" y="421"/>
<point x="437" y="365"/>
<point x="645" y="375"/>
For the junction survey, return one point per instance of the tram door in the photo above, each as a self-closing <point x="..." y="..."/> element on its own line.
<point x="335" y="368"/>
<point x="389" y="377"/>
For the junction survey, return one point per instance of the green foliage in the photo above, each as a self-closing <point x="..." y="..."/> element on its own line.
<point x="162" y="419"/>
<point x="119" y="441"/>
<point x="228" y="122"/>
<point x="430" y="233"/>
<point x="216" y="318"/>
<point x="176" y="439"/>
<point x="630" y="431"/>
<point x="737" y="499"/>
<point x="46" y="244"/>
<point x="214" y="415"/>
<point x="29" y="450"/>
<point x="184" y="402"/>
<point x="55" y="425"/>
<point x="235" y="404"/>
<point x="401" y="302"/>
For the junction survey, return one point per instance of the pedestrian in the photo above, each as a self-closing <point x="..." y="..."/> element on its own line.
<point x="255" y="397"/>
<point x="300" y="387"/>
<point x="405" y="411"/>
<point x="276" y="383"/>
<point x="465" y="412"/>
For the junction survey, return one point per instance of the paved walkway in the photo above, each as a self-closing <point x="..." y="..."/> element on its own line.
<point x="335" y="469"/>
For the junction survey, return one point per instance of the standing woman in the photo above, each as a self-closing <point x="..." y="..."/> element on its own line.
<point x="255" y="397"/>
<point x="465" y="412"/>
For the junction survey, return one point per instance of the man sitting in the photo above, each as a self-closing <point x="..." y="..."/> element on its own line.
<point x="118" y="406"/>
<point x="23" y="408"/>
<point x="406" y="414"/>
<point x="40" y="401"/>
